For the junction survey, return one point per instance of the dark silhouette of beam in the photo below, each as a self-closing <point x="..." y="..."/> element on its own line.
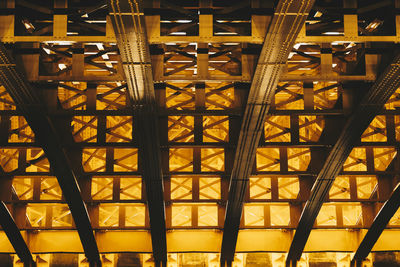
<point x="368" y="108"/>
<point x="30" y="105"/>
<point x="289" y="17"/>
<point x="14" y="236"/>
<point x="379" y="224"/>
<point x="129" y="27"/>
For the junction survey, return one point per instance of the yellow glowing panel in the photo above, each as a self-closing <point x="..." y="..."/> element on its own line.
<point x="23" y="187"/>
<point x="50" y="189"/>
<point x="181" y="188"/>
<point x="6" y="102"/>
<point x="119" y="129"/>
<point x="212" y="159"/>
<point x="280" y="214"/>
<point x="180" y="128"/>
<point x="125" y="159"/>
<point x="325" y="94"/>
<point x="366" y="186"/>
<point x="376" y="131"/>
<point x="130" y="188"/>
<point x="357" y="160"/>
<point x="394" y="100"/>
<point x="397" y="127"/>
<point x="340" y="188"/>
<point x="102" y="188"/>
<point x="111" y="96"/>
<point x="289" y="95"/>
<point x="254" y="215"/>
<point x="94" y="159"/>
<point x="207" y="215"/>
<point x="352" y="214"/>
<point x="180" y="96"/>
<point x="215" y="128"/>
<point x="210" y="188"/>
<point x="61" y="216"/>
<point x="383" y="156"/>
<point x="260" y="187"/>
<point x="327" y="215"/>
<point x="37" y="161"/>
<point x="72" y="95"/>
<point x="181" y="215"/>
<point x="20" y="131"/>
<point x="84" y="128"/>
<point x="181" y="159"/>
<point x="219" y="95"/>
<point x="267" y="159"/>
<point x="277" y="129"/>
<point x="288" y="187"/>
<point x="108" y="215"/>
<point x="298" y="159"/>
<point x="36" y="215"/>
<point x="135" y="215"/>
<point x="310" y="128"/>
<point x="395" y="220"/>
<point x="9" y="159"/>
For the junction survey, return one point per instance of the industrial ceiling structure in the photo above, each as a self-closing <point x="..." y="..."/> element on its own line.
<point x="241" y="133"/>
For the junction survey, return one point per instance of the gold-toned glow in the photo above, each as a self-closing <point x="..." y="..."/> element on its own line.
<point x="277" y="129"/>
<point x="298" y="158"/>
<point x="268" y="159"/>
<point x="181" y="159"/>
<point x="215" y="128"/>
<point x="9" y="159"/>
<point x="212" y="159"/>
<point x="119" y="129"/>
<point x="357" y="160"/>
<point x="181" y="128"/>
<point x="20" y="131"/>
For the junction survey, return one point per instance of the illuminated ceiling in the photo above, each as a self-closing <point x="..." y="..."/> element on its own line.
<point x="222" y="128"/>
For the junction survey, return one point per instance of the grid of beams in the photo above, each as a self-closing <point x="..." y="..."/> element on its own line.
<point x="153" y="134"/>
<point x="129" y="26"/>
<point x="356" y="124"/>
<point x="32" y="108"/>
<point x="278" y="42"/>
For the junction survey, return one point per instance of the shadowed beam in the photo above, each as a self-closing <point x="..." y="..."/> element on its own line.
<point x="357" y="123"/>
<point x="381" y="220"/>
<point x="289" y="17"/>
<point x="30" y="105"/>
<point x="14" y="236"/>
<point x="129" y="26"/>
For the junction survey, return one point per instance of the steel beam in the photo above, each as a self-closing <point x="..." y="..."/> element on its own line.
<point x="30" y="105"/>
<point x="379" y="224"/>
<point x="286" y="23"/>
<point x="130" y="29"/>
<point x="370" y="105"/>
<point x="14" y="236"/>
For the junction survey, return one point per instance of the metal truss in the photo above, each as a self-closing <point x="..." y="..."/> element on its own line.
<point x="32" y="108"/>
<point x="129" y="25"/>
<point x="356" y="124"/>
<point x="284" y="27"/>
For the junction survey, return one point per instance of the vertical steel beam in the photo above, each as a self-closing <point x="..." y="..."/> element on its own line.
<point x="14" y="236"/>
<point x="30" y="105"/>
<point x="379" y="224"/>
<point x="289" y="17"/>
<point x="129" y="26"/>
<point x="356" y="124"/>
